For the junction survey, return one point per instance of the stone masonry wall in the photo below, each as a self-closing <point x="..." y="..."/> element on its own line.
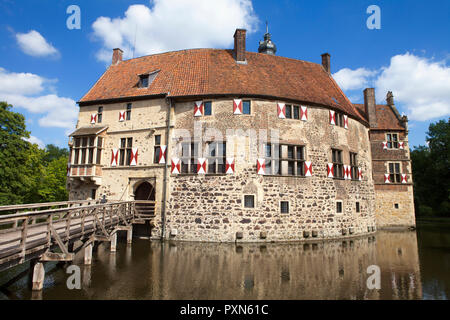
<point x="210" y="208"/>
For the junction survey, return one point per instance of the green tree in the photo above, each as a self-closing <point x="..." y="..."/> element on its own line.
<point x="28" y="174"/>
<point x="431" y="171"/>
<point x="20" y="166"/>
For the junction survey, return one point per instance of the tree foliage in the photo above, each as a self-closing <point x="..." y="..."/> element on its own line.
<point x="28" y="174"/>
<point x="431" y="172"/>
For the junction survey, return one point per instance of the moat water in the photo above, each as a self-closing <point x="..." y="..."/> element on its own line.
<point x="413" y="265"/>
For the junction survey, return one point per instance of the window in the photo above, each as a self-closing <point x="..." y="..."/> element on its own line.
<point x="246" y="107"/>
<point x="143" y="82"/>
<point x="284" y="206"/>
<point x="392" y="140"/>
<point x="394" y="172"/>
<point x="189" y="154"/>
<point x="338" y="164"/>
<point x="207" y="108"/>
<point x="93" y="193"/>
<point x="249" y="201"/>
<point x="99" y="150"/>
<point x="84" y="150"/>
<point x="216" y="157"/>
<point x="340" y="119"/>
<point x="100" y="115"/>
<point x="339" y="207"/>
<point x="157" y="149"/>
<point x="126" y="145"/>
<point x="354" y="165"/>
<point x="396" y="206"/>
<point x="358" y="208"/>
<point x="129" y="106"/>
<point x="288" y="111"/>
<point x="292" y="112"/>
<point x="286" y="160"/>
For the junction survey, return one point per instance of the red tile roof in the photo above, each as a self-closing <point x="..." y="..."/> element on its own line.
<point x="202" y="72"/>
<point x="386" y="118"/>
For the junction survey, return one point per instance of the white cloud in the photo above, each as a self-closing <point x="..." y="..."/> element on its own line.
<point x="21" y="91"/>
<point x="419" y="84"/>
<point x="172" y="25"/>
<point x="35" y="140"/>
<point x="422" y="85"/>
<point x="353" y="79"/>
<point x="34" y="44"/>
<point x="20" y="83"/>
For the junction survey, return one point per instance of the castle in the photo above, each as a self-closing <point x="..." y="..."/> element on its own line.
<point x="242" y="146"/>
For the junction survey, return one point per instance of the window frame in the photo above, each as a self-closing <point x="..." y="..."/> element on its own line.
<point x="156" y="149"/>
<point x="391" y="142"/>
<point x="209" y="103"/>
<point x="125" y="151"/>
<point x="84" y="148"/>
<point x="288" y="206"/>
<point x="341" y="202"/>
<point x="100" y="114"/>
<point x="249" y="107"/>
<point x="190" y="160"/>
<point x="338" y="164"/>
<point x="217" y="160"/>
<point x="358" y="207"/>
<point x="354" y="165"/>
<point x="128" y="112"/>
<point x="396" y="175"/>
<point x="252" y="201"/>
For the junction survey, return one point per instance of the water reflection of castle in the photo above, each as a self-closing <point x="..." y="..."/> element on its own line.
<point x="325" y="270"/>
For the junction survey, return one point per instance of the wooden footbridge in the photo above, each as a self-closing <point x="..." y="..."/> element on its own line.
<point x="49" y="231"/>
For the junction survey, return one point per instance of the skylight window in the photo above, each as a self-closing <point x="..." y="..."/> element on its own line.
<point x="146" y="79"/>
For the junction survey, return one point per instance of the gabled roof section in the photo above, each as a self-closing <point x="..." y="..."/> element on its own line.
<point x="202" y="72"/>
<point x="387" y="117"/>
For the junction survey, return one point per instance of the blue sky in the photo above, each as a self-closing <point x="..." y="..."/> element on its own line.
<point x="45" y="67"/>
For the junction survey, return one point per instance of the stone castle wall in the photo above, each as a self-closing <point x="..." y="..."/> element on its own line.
<point x="211" y="208"/>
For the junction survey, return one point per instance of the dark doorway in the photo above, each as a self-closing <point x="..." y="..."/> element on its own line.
<point x="145" y="191"/>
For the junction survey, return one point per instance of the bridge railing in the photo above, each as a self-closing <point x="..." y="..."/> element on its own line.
<point x="30" y="231"/>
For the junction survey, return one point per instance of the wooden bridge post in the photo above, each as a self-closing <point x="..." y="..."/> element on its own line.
<point x="130" y="235"/>
<point x="114" y="242"/>
<point x="38" y="276"/>
<point x="88" y="254"/>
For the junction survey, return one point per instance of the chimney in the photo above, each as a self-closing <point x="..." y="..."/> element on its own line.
<point x="369" y="105"/>
<point x="117" y="56"/>
<point x="239" y="45"/>
<point x="326" y="62"/>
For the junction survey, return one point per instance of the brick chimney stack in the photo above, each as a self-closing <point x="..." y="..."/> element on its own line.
<point x="370" y="105"/>
<point x="326" y="62"/>
<point x="117" y="56"/>
<point x="239" y="45"/>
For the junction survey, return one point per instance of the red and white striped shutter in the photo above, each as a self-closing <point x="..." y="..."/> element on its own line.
<point x="404" y="178"/>
<point x="162" y="154"/>
<point x="93" y="118"/>
<point x="198" y="109"/>
<point x="359" y="174"/>
<point x="230" y="166"/>
<point x="261" y="166"/>
<point x="114" y="157"/>
<point x="385" y="145"/>
<point x="332" y="117"/>
<point x="401" y="145"/>
<point x="121" y="116"/>
<point x="201" y="166"/>
<point x="345" y="172"/>
<point x="308" y="169"/>
<point x="304" y="113"/>
<point x="176" y="166"/>
<point x="281" y="107"/>
<point x="237" y="106"/>
<point x="134" y="157"/>
<point x="387" y="178"/>
<point x="330" y="170"/>
<point x="345" y="121"/>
